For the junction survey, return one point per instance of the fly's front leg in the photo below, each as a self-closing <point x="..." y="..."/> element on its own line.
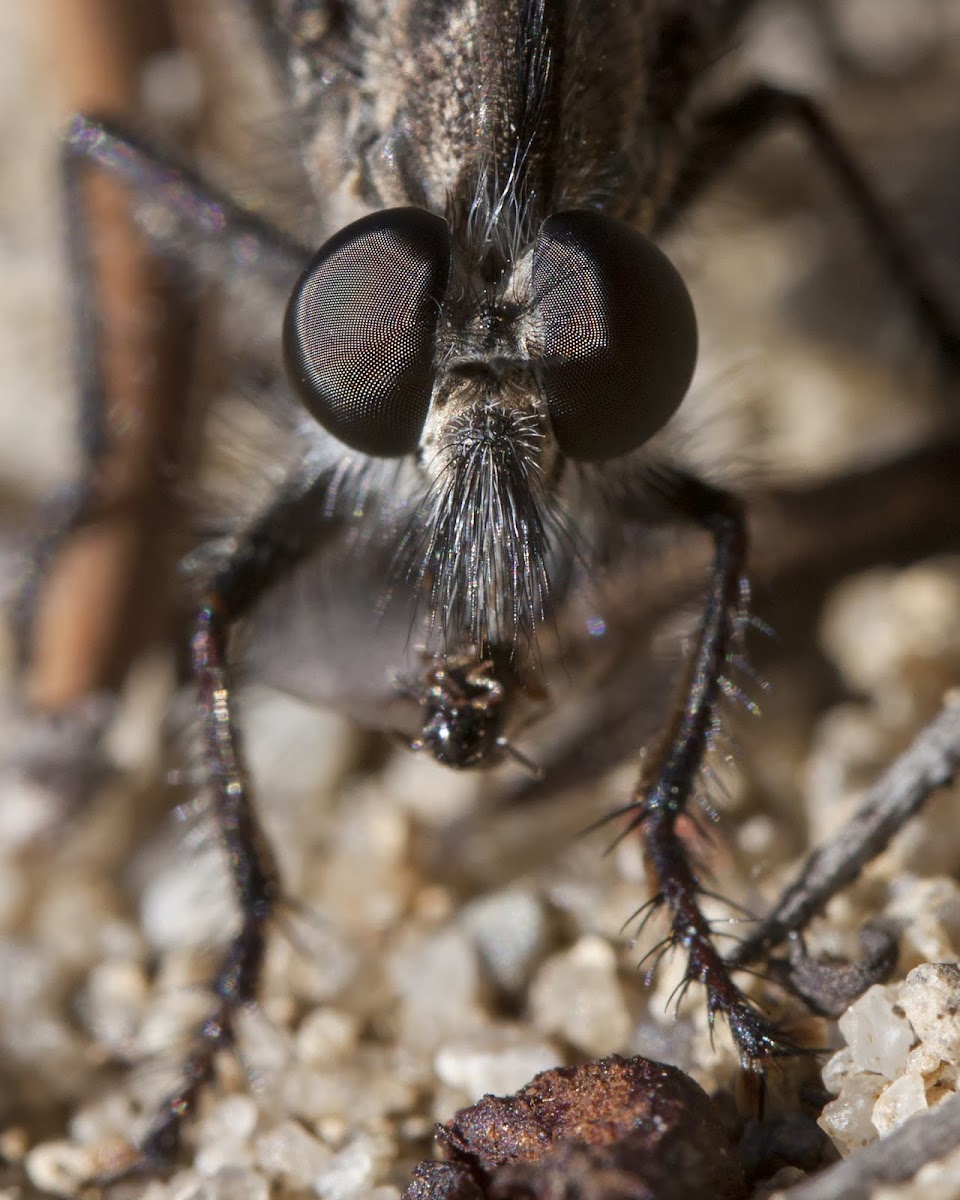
<point x="190" y="227"/>
<point x="197" y="211"/>
<point x="673" y="767"/>
<point x="293" y="526"/>
<point x="251" y="867"/>
<point x="198" y="227"/>
<point x="724" y="132"/>
<point x="187" y="212"/>
<point x="96" y="590"/>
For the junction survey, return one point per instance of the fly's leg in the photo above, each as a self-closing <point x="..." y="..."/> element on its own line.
<point x="190" y="218"/>
<point x="718" y="138"/>
<point x="673" y="768"/>
<point x="193" y="211"/>
<point x="724" y="132"/>
<point x="666" y="787"/>
<point x="292" y="526"/>
<point x="101" y="556"/>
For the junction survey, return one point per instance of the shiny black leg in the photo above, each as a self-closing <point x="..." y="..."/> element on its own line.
<point x="726" y="131"/>
<point x="673" y="765"/>
<point x="293" y="525"/>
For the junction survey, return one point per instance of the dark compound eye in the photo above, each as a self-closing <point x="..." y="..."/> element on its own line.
<point x="619" y="333"/>
<point x="358" y="336"/>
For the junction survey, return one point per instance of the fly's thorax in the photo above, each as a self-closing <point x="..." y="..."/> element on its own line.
<point x="517" y="107"/>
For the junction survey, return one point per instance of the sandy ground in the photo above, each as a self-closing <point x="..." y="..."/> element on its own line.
<point x="440" y="949"/>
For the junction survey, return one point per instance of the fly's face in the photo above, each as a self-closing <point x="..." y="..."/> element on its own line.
<point x="407" y="336"/>
<point x="493" y="322"/>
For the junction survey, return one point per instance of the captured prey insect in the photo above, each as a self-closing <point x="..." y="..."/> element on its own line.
<point x="483" y="349"/>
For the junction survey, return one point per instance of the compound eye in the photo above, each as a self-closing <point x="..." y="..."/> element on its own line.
<point x="619" y="333"/>
<point x="360" y="327"/>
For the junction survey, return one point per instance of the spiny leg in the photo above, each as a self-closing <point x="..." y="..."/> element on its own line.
<point x="725" y="131"/>
<point x="673" y="768"/>
<point x="196" y="214"/>
<point x="294" y="525"/>
<point x="932" y="761"/>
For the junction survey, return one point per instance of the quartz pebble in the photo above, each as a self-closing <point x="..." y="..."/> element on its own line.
<point x="880" y="620"/>
<point x="223" y="1136"/>
<point x="509" y="929"/>
<point x="930" y="998"/>
<point x="60" y="1167"/>
<point x="437" y="982"/>
<point x="929" y="910"/>
<point x="848" y="1120"/>
<point x="291" y="1153"/>
<point x="878" y="1035"/>
<point x="229" y="1183"/>
<point x="114" y="1002"/>
<point x="326" y="1035"/>
<point x="188" y="900"/>
<point x="353" y="1169"/>
<point x="898" y="1101"/>
<point x="577" y="996"/>
<point x="881" y="1077"/>
<point x="493" y="1065"/>
<point x="231" y="1120"/>
<point x="879" y="1041"/>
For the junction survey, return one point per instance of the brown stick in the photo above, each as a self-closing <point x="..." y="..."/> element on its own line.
<point x="103" y="591"/>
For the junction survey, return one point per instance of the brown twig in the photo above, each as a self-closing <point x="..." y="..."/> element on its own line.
<point x="103" y="591"/>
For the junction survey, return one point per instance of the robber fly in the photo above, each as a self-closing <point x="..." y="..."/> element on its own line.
<point x="482" y="350"/>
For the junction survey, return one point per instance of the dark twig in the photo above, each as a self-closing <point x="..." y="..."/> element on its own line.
<point x="929" y="763"/>
<point x="895" y="1158"/>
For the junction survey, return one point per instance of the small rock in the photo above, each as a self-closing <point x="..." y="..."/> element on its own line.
<point x="848" y="1120"/>
<point x="437" y="981"/>
<point x="904" y="1097"/>
<point x="188" y="902"/>
<point x="114" y="1002"/>
<point x="577" y="996"/>
<point x="223" y="1136"/>
<point x="352" y="1170"/>
<point x="878" y="1035"/>
<point x="500" y="1060"/>
<point x="930" y="998"/>
<point x="235" y="1183"/>
<point x="509" y="929"/>
<point x="290" y="1152"/>
<point x="619" y="1127"/>
<point x="326" y="1035"/>
<point x="60" y="1167"/>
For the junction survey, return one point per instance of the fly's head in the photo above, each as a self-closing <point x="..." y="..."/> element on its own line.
<point x="496" y="372"/>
